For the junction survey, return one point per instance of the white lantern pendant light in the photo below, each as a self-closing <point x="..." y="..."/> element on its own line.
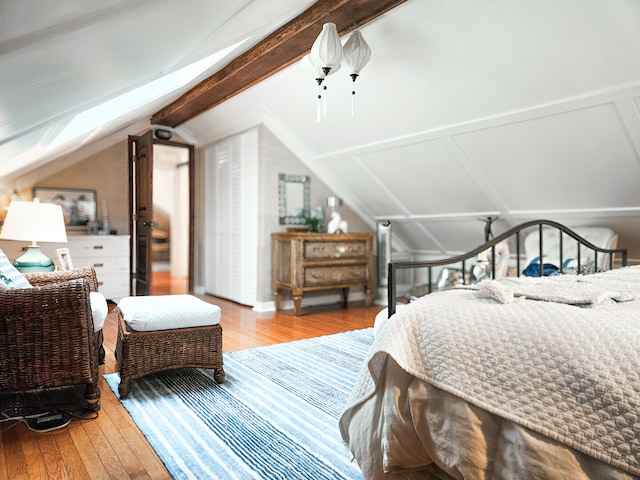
<point x="356" y="55"/>
<point x="326" y="51"/>
<point x="326" y="55"/>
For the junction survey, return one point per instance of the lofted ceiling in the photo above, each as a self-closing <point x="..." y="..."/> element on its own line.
<point x="58" y="62"/>
<point x="467" y="109"/>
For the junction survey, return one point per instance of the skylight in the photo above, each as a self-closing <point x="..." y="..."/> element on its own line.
<point x="88" y="120"/>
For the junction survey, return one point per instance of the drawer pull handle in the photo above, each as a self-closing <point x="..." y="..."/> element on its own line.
<point x="98" y="247"/>
<point x="100" y="283"/>
<point x="98" y="265"/>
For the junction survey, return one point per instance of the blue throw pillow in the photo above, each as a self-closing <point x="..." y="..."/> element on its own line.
<point x="548" y="269"/>
<point x="533" y="269"/>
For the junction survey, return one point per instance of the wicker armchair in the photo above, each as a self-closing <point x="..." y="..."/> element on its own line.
<point x="88" y="274"/>
<point x="47" y="337"/>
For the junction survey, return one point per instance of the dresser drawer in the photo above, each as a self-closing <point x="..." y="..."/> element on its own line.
<point x="330" y="250"/>
<point x="113" y="286"/>
<point x="335" y="275"/>
<point x="97" y="246"/>
<point x="103" y="265"/>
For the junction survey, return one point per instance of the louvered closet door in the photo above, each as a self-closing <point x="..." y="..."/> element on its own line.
<point x="231" y="226"/>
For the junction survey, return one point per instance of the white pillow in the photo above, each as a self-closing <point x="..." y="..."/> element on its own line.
<point x="602" y="237"/>
<point x="99" y="310"/>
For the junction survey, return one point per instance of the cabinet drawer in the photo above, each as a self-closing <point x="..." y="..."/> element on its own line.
<point x="334" y="275"/>
<point x="113" y="286"/>
<point x="103" y="265"/>
<point x="97" y="246"/>
<point x="323" y="249"/>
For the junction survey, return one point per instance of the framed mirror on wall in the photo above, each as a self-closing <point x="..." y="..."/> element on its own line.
<point x="294" y="198"/>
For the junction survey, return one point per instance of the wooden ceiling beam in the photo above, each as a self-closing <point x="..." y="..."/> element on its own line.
<point x="283" y="47"/>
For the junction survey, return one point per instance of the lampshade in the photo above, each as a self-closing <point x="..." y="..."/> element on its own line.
<point x="356" y="53"/>
<point x="34" y="222"/>
<point x="326" y="51"/>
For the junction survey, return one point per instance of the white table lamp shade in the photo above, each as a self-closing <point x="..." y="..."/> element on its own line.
<point x="34" y="222"/>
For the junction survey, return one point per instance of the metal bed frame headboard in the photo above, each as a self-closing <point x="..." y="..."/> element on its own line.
<point x="515" y="231"/>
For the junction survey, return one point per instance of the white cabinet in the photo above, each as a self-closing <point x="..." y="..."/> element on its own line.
<point x="109" y="256"/>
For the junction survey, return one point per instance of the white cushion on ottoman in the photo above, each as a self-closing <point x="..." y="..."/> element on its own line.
<point x="165" y="312"/>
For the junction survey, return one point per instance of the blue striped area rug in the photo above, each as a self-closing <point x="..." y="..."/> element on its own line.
<point x="274" y="417"/>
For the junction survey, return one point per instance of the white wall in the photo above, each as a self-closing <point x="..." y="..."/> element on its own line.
<point x="171" y="195"/>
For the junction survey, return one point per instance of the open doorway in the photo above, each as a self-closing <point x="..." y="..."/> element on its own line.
<point x="170" y="234"/>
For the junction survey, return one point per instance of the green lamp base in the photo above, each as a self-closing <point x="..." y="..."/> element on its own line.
<point x="34" y="260"/>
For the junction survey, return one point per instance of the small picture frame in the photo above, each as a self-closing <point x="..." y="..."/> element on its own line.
<point x="64" y="259"/>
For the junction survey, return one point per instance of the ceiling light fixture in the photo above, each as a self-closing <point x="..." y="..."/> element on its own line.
<point x="326" y="56"/>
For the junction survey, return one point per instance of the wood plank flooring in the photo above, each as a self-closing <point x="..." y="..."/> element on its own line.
<point x="111" y="446"/>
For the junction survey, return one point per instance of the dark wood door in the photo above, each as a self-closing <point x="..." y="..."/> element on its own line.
<point x="141" y="208"/>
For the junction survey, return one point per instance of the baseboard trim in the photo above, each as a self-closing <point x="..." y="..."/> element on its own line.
<point x="261" y="307"/>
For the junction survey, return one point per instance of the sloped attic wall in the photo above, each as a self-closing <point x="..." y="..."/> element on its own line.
<point x="467" y="109"/>
<point x="105" y="171"/>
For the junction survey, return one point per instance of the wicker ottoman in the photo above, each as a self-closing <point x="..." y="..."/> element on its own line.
<point x="165" y="332"/>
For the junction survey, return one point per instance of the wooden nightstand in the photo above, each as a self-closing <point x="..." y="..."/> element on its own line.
<point x="305" y="262"/>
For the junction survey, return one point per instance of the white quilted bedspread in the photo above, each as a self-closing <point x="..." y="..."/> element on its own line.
<point x="560" y="356"/>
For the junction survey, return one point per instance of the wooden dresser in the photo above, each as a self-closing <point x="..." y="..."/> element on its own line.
<point x="305" y="262"/>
